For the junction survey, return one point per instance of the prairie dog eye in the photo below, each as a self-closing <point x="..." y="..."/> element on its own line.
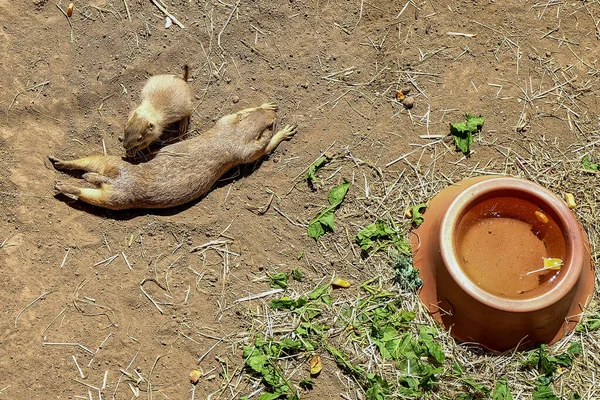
<point x="150" y="126"/>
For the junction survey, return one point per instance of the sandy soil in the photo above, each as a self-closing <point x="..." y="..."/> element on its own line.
<point x="334" y="68"/>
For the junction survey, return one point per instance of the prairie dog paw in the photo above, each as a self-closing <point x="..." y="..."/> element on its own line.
<point x="55" y="161"/>
<point x="288" y="131"/>
<point x="66" y="189"/>
<point x="59" y="186"/>
<point x="269" y="106"/>
<point x="95" y="178"/>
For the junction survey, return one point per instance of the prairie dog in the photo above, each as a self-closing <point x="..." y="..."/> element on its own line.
<point x="165" y="99"/>
<point x="179" y="172"/>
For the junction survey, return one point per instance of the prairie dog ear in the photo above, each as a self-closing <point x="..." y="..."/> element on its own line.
<point x="150" y="126"/>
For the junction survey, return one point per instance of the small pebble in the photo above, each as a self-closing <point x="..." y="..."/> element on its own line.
<point x="405" y="90"/>
<point x="235" y="99"/>
<point x="408" y="102"/>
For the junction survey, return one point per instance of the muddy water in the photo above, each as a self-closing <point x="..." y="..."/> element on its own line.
<point x="502" y="239"/>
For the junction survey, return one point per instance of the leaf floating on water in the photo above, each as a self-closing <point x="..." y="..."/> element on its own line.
<point x="541" y="217"/>
<point x="553" y="263"/>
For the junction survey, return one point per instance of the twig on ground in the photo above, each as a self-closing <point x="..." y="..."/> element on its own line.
<point x="40" y="297"/>
<point x="163" y="9"/>
<point x="235" y="7"/>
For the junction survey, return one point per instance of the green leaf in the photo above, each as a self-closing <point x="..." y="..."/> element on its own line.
<point x="326" y="219"/>
<point x="378" y="235"/>
<point x="589" y="324"/>
<point x="406" y="275"/>
<point x="256" y="360"/>
<point x="315" y="229"/>
<point x="323" y="222"/>
<point x="586" y="163"/>
<point x="318" y="292"/>
<point x="478" y="387"/>
<point x="546" y="364"/>
<point x="297" y="274"/>
<point x="337" y="194"/>
<point x="564" y="360"/>
<point x="261" y="360"/>
<point x="379" y="388"/>
<point x="543" y="392"/>
<point x="463" y="131"/>
<point x="574" y="349"/>
<point x="456" y="368"/>
<point x="310" y="174"/>
<point x="285" y="303"/>
<point x="416" y="214"/>
<point x="428" y="375"/>
<point x="426" y="336"/>
<point x="501" y="390"/>
<point x="269" y="396"/>
<point x="327" y="299"/>
<point x="378" y="230"/>
<point x="290" y="345"/>
<point x="279" y="280"/>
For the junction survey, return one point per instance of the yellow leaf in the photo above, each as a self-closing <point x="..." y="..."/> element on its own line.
<point x="195" y="376"/>
<point x="541" y="217"/>
<point x="553" y="263"/>
<point x="315" y="365"/>
<point x="340" y="283"/>
<point x="400" y="96"/>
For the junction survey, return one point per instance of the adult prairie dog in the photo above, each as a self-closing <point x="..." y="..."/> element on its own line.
<point x="165" y="99"/>
<point x="179" y="172"/>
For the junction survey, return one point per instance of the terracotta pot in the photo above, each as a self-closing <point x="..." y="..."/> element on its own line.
<point x="478" y="251"/>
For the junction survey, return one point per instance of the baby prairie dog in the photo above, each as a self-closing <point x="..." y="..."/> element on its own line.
<point x="165" y="99"/>
<point x="179" y="172"/>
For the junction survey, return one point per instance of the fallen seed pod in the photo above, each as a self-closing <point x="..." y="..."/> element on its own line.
<point x="70" y="10"/>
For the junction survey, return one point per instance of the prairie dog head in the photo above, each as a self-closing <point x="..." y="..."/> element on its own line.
<point x="259" y="121"/>
<point x="139" y="132"/>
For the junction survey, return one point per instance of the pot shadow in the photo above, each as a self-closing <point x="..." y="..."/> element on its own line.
<point x="235" y="174"/>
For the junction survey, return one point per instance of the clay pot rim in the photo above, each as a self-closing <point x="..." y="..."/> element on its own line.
<point x="565" y="220"/>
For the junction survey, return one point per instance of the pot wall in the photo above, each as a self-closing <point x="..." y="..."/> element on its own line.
<point x="470" y="320"/>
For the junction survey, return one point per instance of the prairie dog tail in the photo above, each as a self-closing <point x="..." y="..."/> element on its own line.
<point x="186" y="72"/>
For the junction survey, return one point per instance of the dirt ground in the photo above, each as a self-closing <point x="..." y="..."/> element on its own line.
<point x="333" y="67"/>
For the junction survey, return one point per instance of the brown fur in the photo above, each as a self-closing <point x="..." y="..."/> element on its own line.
<point x="165" y="99"/>
<point x="180" y="172"/>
